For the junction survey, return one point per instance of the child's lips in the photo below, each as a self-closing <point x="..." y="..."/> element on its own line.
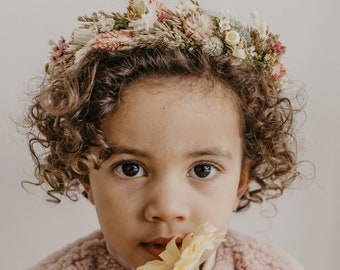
<point x="157" y="246"/>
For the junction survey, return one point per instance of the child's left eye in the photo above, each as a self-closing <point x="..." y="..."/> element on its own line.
<point x="204" y="171"/>
<point x="129" y="169"/>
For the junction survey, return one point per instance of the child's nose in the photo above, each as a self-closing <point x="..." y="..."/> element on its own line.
<point x="167" y="202"/>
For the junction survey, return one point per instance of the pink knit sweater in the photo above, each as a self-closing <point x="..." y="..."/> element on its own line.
<point x="238" y="252"/>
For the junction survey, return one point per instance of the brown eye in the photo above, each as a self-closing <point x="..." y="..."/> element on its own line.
<point x="203" y="171"/>
<point x="129" y="170"/>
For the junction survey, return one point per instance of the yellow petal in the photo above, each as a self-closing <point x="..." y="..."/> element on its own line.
<point x="186" y="241"/>
<point x="171" y="253"/>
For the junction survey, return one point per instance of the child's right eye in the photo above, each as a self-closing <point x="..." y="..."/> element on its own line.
<point x="129" y="169"/>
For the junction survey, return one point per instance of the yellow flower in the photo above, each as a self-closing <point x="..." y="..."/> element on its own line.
<point x="188" y="257"/>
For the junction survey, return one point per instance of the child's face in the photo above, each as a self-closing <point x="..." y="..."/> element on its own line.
<point x="177" y="163"/>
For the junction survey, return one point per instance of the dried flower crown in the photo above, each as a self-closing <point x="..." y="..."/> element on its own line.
<point x="149" y="22"/>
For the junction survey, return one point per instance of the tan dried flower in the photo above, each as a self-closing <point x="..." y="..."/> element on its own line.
<point x="136" y="9"/>
<point x="112" y="40"/>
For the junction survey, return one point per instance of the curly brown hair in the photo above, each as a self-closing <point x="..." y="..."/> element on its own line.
<point x="65" y="117"/>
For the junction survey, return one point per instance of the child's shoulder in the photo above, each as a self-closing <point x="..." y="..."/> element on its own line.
<point x="241" y="251"/>
<point x="85" y="253"/>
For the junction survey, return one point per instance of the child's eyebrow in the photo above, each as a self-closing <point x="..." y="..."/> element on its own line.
<point x="214" y="151"/>
<point x="117" y="150"/>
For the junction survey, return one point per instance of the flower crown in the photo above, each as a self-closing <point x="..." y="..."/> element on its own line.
<point x="149" y="22"/>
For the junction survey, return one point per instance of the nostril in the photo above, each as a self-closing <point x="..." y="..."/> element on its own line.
<point x="156" y="219"/>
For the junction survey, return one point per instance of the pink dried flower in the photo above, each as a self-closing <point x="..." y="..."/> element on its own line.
<point x="112" y="40"/>
<point x="59" y="49"/>
<point x="278" y="47"/>
<point x="199" y="26"/>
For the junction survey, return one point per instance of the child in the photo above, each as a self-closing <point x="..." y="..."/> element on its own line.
<point x="165" y="120"/>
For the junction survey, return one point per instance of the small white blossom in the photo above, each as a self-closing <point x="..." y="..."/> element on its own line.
<point x="240" y="53"/>
<point x="232" y="38"/>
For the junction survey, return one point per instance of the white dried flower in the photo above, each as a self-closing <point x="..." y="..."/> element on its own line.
<point x="82" y="35"/>
<point x="276" y="70"/>
<point x="240" y="53"/>
<point x="212" y="46"/>
<point x="232" y="38"/>
<point x="106" y="24"/>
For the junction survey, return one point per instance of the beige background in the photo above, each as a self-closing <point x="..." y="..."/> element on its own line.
<point x="307" y="221"/>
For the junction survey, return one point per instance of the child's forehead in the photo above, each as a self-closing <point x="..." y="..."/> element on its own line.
<point x="180" y="84"/>
<point x="172" y="108"/>
<point x="171" y="94"/>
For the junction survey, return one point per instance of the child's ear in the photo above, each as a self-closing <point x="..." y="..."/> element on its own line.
<point x="88" y="191"/>
<point x="244" y="181"/>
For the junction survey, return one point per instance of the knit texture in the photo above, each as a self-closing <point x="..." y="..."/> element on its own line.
<point x="238" y="252"/>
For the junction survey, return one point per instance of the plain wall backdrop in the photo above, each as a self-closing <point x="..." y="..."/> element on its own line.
<point x="307" y="221"/>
